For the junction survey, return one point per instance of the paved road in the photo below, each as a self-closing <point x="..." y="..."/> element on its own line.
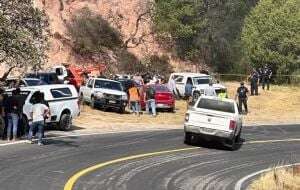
<point x="30" y="167"/>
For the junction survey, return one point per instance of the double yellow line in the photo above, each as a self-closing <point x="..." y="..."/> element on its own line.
<point x="71" y="182"/>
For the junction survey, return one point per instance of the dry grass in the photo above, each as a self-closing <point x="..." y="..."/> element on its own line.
<point x="279" y="105"/>
<point x="278" y="179"/>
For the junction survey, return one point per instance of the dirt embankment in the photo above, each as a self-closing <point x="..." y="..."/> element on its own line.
<point x="122" y="15"/>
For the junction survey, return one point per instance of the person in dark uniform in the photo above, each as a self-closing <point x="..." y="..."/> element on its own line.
<point x="242" y="93"/>
<point x="254" y="82"/>
<point x="267" y="75"/>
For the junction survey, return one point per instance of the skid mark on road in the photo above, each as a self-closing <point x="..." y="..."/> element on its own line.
<point x="71" y="182"/>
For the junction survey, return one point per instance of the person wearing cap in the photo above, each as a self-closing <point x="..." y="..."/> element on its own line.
<point x="242" y="94"/>
<point x="210" y="90"/>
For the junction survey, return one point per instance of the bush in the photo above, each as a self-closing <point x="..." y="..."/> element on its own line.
<point x="92" y="34"/>
<point x="158" y="64"/>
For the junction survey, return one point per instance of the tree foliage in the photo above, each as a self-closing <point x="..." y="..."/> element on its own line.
<point x="272" y="35"/>
<point x="202" y="30"/>
<point x="23" y="35"/>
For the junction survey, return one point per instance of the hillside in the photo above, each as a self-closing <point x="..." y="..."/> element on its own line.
<point x="122" y="15"/>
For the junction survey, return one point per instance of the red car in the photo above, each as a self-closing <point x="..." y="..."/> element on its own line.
<point x="163" y="96"/>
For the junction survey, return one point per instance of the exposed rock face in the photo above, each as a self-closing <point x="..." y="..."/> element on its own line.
<point x="122" y="14"/>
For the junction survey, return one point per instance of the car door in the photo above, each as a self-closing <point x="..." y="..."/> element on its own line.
<point x="89" y="89"/>
<point x="180" y="84"/>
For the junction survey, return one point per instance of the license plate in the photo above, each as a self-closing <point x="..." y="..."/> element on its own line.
<point x="206" y="130"/>
<point x="112" y="101"/>
<point x="161" y="105"/>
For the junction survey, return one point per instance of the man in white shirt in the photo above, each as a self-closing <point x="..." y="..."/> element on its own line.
<point x="39" y="112"/>
<point x="210" y="90"/>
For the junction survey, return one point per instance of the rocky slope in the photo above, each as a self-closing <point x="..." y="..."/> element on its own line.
<point x="122" y="14"/>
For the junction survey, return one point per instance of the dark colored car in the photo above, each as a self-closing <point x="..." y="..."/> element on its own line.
<point x="47" y="77"/>
<point x="126" y="83"/>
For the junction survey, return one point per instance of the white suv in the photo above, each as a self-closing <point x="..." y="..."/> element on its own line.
<point x="104" y="93"/>
<point x="62" y="100"/>
<point x="200" y="82"/>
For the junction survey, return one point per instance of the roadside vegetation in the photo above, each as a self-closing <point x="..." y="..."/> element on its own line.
<point x="278" y="179"/>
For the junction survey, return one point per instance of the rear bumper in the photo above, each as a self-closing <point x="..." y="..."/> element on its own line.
<point x="109" y="103"/>
<point x="209" y="133"/>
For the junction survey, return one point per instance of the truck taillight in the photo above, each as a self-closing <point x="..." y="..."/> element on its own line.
<point x="232" y="125"/>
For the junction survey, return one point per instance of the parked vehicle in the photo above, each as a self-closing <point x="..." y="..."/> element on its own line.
<point x="24" y="82"/>
<point x="105" y="94"/>
<point x="62" y="100"/>
<point x="47" y="77"/>
<point x="163" y="97"/>
<point x="213" y="118"/>
<point x="74" y="74"/>
<point x="200" y="82"/>
<point x="126" y="84"/>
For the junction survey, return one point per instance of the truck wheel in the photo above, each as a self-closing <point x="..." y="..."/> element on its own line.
<point x="196" y="95"/>
<point x="188" y="138"/>
<point x="65" y="123"/>
<point x="93" y="102"/>
<point x="2" y="126"/>
<point x="122" y="110"/>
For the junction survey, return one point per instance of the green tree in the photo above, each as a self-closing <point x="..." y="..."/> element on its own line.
<point x="203" y="31"/>
<point x="23" y="35"/>
<point x="271" y="35"/>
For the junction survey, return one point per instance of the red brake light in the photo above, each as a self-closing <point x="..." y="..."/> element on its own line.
<point x="232" y="125"/>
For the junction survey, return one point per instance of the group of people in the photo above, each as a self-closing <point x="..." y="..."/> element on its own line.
<point x="135" y="93"/>
<point x="261" y="76"/>
<point x="12" y="116"/>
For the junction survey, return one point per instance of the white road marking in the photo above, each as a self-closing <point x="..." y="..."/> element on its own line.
<point x="239" y="184"/>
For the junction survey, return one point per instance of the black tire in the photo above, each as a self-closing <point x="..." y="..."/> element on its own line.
<point x="122" y="110"/>
<point x="188" y="138"/>
<point x="2" y="126"/>
<point x="238" y="137"/>
<point x="93" y="105"/>
<point x="196" y="95"/>
<point x="171" y="110"/>
<point x="65" y="123"/>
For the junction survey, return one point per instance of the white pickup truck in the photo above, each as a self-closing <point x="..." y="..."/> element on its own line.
<point x="213" y="118"/>
<point x="104" y="93"/>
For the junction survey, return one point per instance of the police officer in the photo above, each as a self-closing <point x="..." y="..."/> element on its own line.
<point x="242" y="92"/>
<point x="266" y="78"/>
<point x="254" y="82"/>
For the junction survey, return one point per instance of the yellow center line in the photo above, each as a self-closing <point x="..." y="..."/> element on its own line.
<point x="71" y="182"/>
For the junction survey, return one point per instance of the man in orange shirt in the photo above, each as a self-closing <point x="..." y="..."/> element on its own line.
<point x="134" y="99"/>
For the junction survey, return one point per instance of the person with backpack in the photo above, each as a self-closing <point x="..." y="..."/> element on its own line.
<point x="242" y="94"/>
<point x="150" y="100"/>
<point x="39" y="111"/>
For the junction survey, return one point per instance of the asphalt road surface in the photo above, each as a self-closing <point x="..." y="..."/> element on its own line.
<point x="30" y="167"/>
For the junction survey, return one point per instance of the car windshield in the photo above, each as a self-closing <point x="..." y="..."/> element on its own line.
<point x="32" y="82"/>
<point x="161" y="88"/>
<point x="201" y="80"/>
<point x="108" y="85"/>
<point x="216" y="105"/>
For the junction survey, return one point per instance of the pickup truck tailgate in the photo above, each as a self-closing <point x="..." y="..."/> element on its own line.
<point x="210" y="120"/>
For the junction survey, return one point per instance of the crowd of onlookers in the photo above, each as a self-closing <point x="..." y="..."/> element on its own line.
<point x="11" y="108"/>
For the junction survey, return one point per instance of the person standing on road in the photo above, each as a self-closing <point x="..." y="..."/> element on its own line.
<point x="254" y="82"/>
<point x="242" y="93"/>
<point x="267" y="75"/>
<point x="39" y="112"/>
<point x="210" y="90"/>
<point x="14" y="111"/>
<point x="150" y="100"/>
<point x="134" y="99"/>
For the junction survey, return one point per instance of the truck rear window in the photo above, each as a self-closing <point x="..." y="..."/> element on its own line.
<point x="216" y="105"/>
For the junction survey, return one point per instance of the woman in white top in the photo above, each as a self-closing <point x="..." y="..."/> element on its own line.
<point x="38" y="113"/>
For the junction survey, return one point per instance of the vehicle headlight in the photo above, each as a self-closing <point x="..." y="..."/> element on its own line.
<point x="187" y="117"/>
<point x="99" y="95"/>
<point x="124" y="97"/>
